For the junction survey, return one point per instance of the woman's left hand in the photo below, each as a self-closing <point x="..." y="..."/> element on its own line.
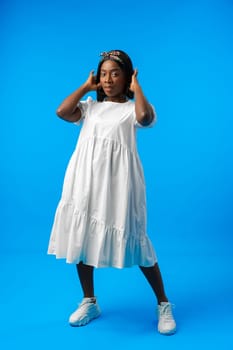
<point x="134" y="81"/>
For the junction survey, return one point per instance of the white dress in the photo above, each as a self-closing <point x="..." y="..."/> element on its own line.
<point x="101" y="217"/>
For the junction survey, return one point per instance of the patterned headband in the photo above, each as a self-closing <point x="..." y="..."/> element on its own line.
<point x="114" y="55"/>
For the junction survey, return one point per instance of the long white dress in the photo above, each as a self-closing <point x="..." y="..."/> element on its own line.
<point x="101" y="217"/>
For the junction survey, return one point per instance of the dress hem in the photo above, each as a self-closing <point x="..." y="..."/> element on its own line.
<point x="101" y="266"/>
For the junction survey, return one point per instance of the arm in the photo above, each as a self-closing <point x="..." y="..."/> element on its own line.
<point x="144" y="111"/>
<point x="68" y="110"/>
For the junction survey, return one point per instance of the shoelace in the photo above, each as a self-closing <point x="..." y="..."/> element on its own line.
<point x="166" y="311"/>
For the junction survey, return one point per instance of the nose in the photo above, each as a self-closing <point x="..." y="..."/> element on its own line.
<point x="108" y="78"/>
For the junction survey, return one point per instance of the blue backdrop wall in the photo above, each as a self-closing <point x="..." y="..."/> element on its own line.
<point x="183" y="51"/>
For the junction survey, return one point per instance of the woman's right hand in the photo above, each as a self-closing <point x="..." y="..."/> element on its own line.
<point x="90" y="83"/>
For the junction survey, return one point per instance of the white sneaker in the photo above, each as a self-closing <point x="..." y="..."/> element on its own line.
<point x="86" y="312"/>
<point x="167" y="324"/>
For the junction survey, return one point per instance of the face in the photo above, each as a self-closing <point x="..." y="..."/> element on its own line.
<point x="112" y="79"/>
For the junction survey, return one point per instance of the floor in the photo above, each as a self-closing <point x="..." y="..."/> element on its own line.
<point x="39" y="292"/>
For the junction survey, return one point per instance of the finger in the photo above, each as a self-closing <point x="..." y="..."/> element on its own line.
<point x="135" y="72"/>
<point x="91" y="72"/>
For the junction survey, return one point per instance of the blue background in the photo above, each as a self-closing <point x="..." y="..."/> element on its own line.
<point x="184" y="53"/>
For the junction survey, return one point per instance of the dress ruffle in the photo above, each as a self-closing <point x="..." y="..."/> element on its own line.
<point x="96" y="245"/>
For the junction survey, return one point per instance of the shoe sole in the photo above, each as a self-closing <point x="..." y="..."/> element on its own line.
<point x="173" y="331"/>
<point x="84" y="323"/>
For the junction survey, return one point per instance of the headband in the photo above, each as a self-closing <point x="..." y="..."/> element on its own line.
<point x="114" y="55"/>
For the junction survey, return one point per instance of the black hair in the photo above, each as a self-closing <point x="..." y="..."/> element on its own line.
<point x="125" y="63"/>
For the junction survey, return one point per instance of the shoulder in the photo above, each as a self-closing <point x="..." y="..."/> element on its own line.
<point x="89" y="101"/>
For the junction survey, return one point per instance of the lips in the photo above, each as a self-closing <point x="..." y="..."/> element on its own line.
<point x="108" y="89"/>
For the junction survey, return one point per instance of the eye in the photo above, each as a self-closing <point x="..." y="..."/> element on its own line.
<point x="115" y="74"/>
<point x="102" y="74"/>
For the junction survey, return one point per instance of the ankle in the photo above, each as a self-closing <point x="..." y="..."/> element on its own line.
<point x="91" y="299"/>
<point x="162" y="300"/>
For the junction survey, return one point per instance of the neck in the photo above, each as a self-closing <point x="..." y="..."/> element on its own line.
<point x="120" y="99"/>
